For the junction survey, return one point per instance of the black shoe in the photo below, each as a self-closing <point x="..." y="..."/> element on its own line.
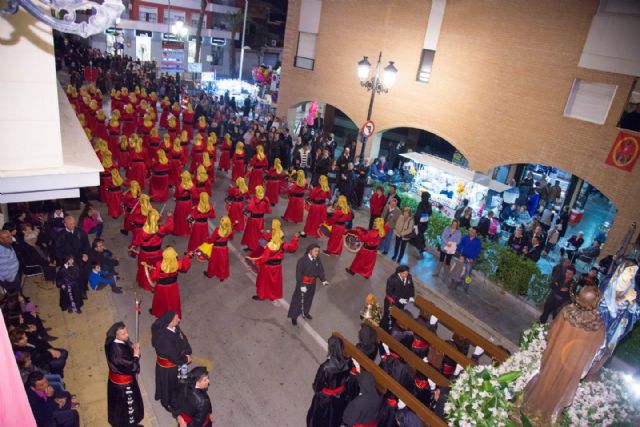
<point x="294" y="322"/>
<point x="246" y="249"/>
<point x="124" y="232"/>
<point x="256" y="298"/>
<point x="348" y="270"/>
<point x="79" y="311"/>
<point x="393" y="259"/>
<point x="116" y="290"/>
<point x="303" y="234"/>
<point x="206" y="275"/>
<point x="150" y="312"/>
<point x="70" y="310"/>
<point x="324" y="251"/>
<point x="50" y="338"/>
<point x="307" y="316"/>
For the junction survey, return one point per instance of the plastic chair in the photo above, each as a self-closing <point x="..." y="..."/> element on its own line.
<point x="31" y="271"/>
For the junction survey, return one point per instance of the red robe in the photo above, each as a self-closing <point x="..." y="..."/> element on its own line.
<point x="225" y="157"/>
<point x="317" y="210"/>
<point x="199" y="228"/>
<point x="213" y="154"/>
<point x="105" y="183"/>
<point x="269" y="280"/>
<point x="123" y="157"/>
<point x="256" y="176"/>
<point x="187" y="122"/>
<point x="149" y="250"/>
<point x="128" y="123"/>
<point x="235" y="207"/>
<point x="238" y="170"/>
<point x="295" y="207"/>
<point x="336" y="238"/>
<point x="181" y="211"/>
<point x="196" y="157"/>
<point x="166" y="107"/>
<point x="166" y="294"/>
<point x="272" y="186"/>
<point x="137" y="168"/>
<point x="175" y="167"/>
<point x="365" y="259"/>
<point x="114" y="201"/>
<point x="113" y="141"/>
<point x="219" y="259"/>
<point x="159" y="183"/>
<point x="255" y="222"/>
<point x="131" y="212"/>
<point x="201" y="187"/>
<point x="185" y="150"/>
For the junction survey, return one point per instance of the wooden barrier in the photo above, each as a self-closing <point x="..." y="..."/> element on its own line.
<point x="410" y="357"/>
<point x="407" y="322"/>
<point x="386" y="382"/>
<point x="428" y="308"/>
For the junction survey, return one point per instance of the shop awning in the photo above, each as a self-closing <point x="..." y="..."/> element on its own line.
<point x="456" y="170"/>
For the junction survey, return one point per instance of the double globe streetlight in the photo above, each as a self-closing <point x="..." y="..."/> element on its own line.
<point x="375" y="84"/>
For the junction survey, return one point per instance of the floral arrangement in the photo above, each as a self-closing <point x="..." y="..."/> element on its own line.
<point x="485" y="395"/>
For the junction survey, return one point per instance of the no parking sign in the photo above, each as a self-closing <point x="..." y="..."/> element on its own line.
<point x="368" y="128"/>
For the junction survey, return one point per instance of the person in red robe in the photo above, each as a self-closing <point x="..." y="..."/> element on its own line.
<point x="211" y="149"/>
<point x="196" y="153"/>
<point x="166" y="108"/>
<point x="175" y="163"/>
<point x="236" y="197"/>
<point x="295" y="207"/>
<point x="238" y="169"/>
<point x="258" y="164"/>
<point x="100" y="130"/>
<point x="201" y="183"/>
<point x="365" y="259"/>
<point x="187" y="120"/>
<point x="184" y="205"/>
<point x="173" y="128"/>
<point x="317" y="215"/>
<point x="114" y="195"/>
<point x="164" y="273"/>
<point x="376" y="205"/>
<point x="159" y="182"/>
<point x="137" y="168"/>
<point x="269" y="264"/>
<point x="113" y="132"/>
<point x="105" y="175"/>
<point x="131" y="204"/>
<point x="219" y="259"/>
<point x="128" y="120"/>
<point x="202" y="126"/>
<point x="154" y="142"/>
<point x="124" y="155"/>
<point x="225" y="154"/>
<point x="274" y="178"/>
<point x="147" y="243"/>
<point x="209" y="167"/>
<point x="199" y="217"/>
<point x="338" y="220"/>
<point x="184" y="142"/>
<point x="257" y="207"/>
<point x="145" y="129"/>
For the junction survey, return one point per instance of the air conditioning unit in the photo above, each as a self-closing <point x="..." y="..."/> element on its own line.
<point x="274" y="42"/>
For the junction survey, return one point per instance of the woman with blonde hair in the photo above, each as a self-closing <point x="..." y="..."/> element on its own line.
<point x="219" y="259"/>
<point x="184" y="204"/>
<point x="159" y="182"/>
<point x="200" y="215"/>
<point x="187" y="119"/>
<point x="365" y="259"/>
<point x="225" y="154"/>
<point x="124" y="154"/>
<point x="273" y="181"/>
<point x="202" y="182"/>
<point x="137" y="167"/>
<point x="175" y="163"/>
<point x="164" y="274"/>
<point x="196" y="153"/>
<point x="105" y="175"/>
<point x="258" y="206"/>
<point x="295" y="207"/>
<point x="131" y="202"/>
<point x="338" y="220"/>
<point x="147" y="244"/>
<point x="236" y="197"/>
<point x="114" y="194"/>
<point x="317" y="215"/>
<point x="238" y="169"/>
<point x="211" y="149"/>
<point x="258" y="164"/>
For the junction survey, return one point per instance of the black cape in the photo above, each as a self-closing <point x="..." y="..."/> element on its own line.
<point x="364" y="408"/>
<point x="125" y="407"/>
<point x="195" y="403"/>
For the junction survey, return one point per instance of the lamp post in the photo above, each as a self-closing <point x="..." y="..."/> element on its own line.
<point x="244" y="30"/>
<point x="375" y="85"/>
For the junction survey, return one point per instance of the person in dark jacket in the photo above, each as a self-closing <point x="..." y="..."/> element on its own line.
<point x="421" y="219"/>
<point x="193" y="403"/>
<point x="399" y="292"/>
<point x="73" y="241"/>
<point x="308" y="269"/>
<point x="363" y="410"/>
<point x="49" y="409"/>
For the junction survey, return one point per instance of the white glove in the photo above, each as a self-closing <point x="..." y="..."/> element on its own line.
<point x="356" y="364"/>
<point x="411" y="299"/>
<point x="401" y="404"/>
<point x="415" y="229"/>
<point x="325" y="283"/>
<point x="433" y="320"/>
<point x="459" y="369"/>
<point x="425" y="359"/>
<point x="402" y="301"/>
<point x="303" y="289"/>
<point x="386" y="348"/>
<point x="478" y="351"/>
<point x="432" y="385"/>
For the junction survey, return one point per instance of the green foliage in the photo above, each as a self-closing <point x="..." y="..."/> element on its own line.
<point x="629" y="349"/>
<point x="437" y="223"/>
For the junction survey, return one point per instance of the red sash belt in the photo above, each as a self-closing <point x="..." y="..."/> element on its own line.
<point x="371" y="424"/>
<point x="448" y="369"/>
<point x="308" y="280"/>
<point x="165" y="363"/>
<point x="418" y="343"/>
<point x="119" y="378"/>
<point x="389" y="299"/>
<point x="187" y="419"/>
<point x="422" y="384"/>
<point x="392" y="402"/>
<point x="334" y="391"/>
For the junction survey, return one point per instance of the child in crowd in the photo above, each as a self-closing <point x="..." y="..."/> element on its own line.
<point x="97" y="277"/>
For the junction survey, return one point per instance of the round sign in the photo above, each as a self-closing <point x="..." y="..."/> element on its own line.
<point x="368" y="128"/>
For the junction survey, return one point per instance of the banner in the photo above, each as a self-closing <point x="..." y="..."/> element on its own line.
<point x="624" y="152"/>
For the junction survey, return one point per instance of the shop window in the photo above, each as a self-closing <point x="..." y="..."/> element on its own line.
<point x="305" y="55"/>
<point x="221" y="21"/>
<point x="590" y="101"/>
<point x="194" y="21"/>
<point x="217" y="55"/>
<point x="176" y="15"/>
<point x="630" y="118"/>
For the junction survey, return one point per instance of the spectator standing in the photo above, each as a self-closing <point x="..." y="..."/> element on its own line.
<point x="390" y="215"/>
<point x="376" y="205"/>
<point x="421" y="221"/>
<point x="470" y="249"/>
<point x="560" y="294"/>
<point x="403" y="232"/>
<point x="449" y="242"/>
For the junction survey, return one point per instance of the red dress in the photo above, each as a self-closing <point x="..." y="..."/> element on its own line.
<point x="187" y="122"/>
<point x="256" y="177"/>
<point x="196" y="157"/>
<point x="272" y="186"/>
<point x="175" y="167"/>
<point x="137" y="168"/>
<point x="255" y="222"/>
<point x="150" y="250"/>
<point x="182" y="210"/>
<point x="199" y="228"/>
<point x="201" y="187"/>
<point x="269" y="280"/>
<point x="238" y="169"/>
<point x="159" y="183"/>
<point x="113" y="140"/>
<point x="295" y="207"/>
<point x="235" y="208"/>
<point x="166" y="294"/>
<point x="166" y="106"/>
<point x="365" y="259"/>
<point x="317" y="210"/>
<point x="105" y="183"/>
<point x="114" y="201"/>
<point x="219" y="259"/>
<point x="225" y="157"/>
<point x="131" y="212"/>
<point x="123" y="158"/>
<point x="336" y="238"/>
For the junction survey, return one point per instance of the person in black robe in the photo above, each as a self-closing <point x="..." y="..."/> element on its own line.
<point x="173" y="351"/>
<point x="328" y="401"/>
<point x="393" y="365"/>
<point x="363" y="410"/>
<point x="367" y="341"/>
<point x="421" y="219"/>
<point x="193" y="402"/>
<point x="308" y="269"/>
<point x="68" y="281"/>
<point x="400" y="291"/>
<point x="405" y="417"/>
<point x="422" y="390"/>
<point x="73" y="240"/>
<point x="124" y="402"/>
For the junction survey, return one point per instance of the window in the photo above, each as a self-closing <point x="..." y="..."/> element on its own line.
<point x="217" y="55"/>
<point x="143" y="48"/>
<point x="426" y="62"/>
<point x="630" y="118"/>
<point x="590" y="101"/>
<point x="221" y="21"/>
<point x="176" y="15"/>
<point x="306" y="53"/>
<point x="148" y="14"/>
<point x="194" y="21"/>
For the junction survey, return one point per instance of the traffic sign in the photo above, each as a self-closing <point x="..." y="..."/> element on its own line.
<point x="368" y="128"/>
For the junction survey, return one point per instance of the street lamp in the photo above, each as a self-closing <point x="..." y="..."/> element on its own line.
<point x="179" y="29"/>
<point x="375" y="85"/>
